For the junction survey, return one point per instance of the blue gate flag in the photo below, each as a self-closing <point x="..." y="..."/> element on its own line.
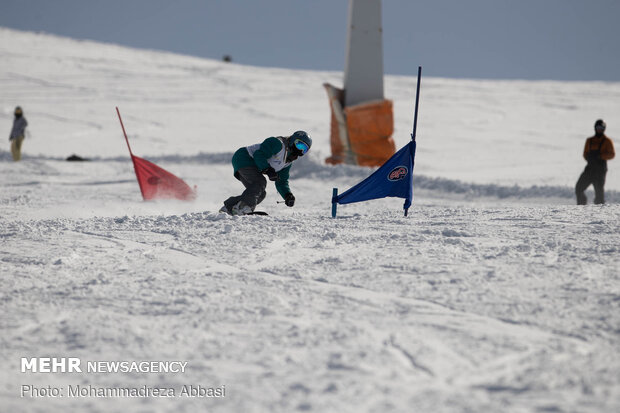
<point x="394" y="179"/>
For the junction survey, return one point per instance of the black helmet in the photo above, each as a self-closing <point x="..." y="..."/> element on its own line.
<point x="600" y="124"/>
<point x="299" y="143"/>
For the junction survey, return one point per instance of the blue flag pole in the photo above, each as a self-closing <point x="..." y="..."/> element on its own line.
<point x="417" y="100"/>
<point x="415" y="115"/>
<point x="393" y="179"/>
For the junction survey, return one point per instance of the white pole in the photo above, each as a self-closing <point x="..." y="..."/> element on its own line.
<point x="363" y="74"/>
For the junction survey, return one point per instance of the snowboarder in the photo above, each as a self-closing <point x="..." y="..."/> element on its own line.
<point x="597" y="151"/>
<point x="273" y="157"/>
<point x="17" y="134"/>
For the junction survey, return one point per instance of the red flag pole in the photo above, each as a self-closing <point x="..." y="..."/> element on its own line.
<point x="124" y="133"/>
<point x="130" y="152"/>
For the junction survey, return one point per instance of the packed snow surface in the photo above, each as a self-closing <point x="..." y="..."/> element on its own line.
<point x="495" y="294"/>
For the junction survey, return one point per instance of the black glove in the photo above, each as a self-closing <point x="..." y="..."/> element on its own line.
<point x="289" y="200"/>
<point x="271" y="173"/>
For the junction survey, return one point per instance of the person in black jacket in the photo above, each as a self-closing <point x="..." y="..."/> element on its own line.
<point x="598" y="150"/>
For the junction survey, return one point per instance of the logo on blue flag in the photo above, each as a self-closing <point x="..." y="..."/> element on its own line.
<point x="398" y="173"/>
<point x="392" y="179"/>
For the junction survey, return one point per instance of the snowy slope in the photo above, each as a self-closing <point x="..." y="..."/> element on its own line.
<point x="488" y="297"/>
<point x="492" y="132"/>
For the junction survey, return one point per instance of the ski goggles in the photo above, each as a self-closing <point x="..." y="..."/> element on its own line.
<point x="302" y="146"/>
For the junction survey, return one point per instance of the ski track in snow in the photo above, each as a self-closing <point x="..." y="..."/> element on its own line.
<point x="489" y="297"/>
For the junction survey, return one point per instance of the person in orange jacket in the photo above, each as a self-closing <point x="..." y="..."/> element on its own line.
<point x="598" y="150"/>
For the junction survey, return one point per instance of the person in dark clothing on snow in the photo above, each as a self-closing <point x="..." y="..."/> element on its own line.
<point x="598" y="150"/>
<point x="18" y="133"/>
<point x="273" y="157"/>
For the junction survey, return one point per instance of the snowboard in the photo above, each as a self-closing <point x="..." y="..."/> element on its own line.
<point x="258" y="213"/>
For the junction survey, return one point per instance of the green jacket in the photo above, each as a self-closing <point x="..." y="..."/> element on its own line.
<point x="270" y="153"/>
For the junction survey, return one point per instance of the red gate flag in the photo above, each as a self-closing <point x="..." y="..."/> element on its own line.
<point x="156" y="182"/>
